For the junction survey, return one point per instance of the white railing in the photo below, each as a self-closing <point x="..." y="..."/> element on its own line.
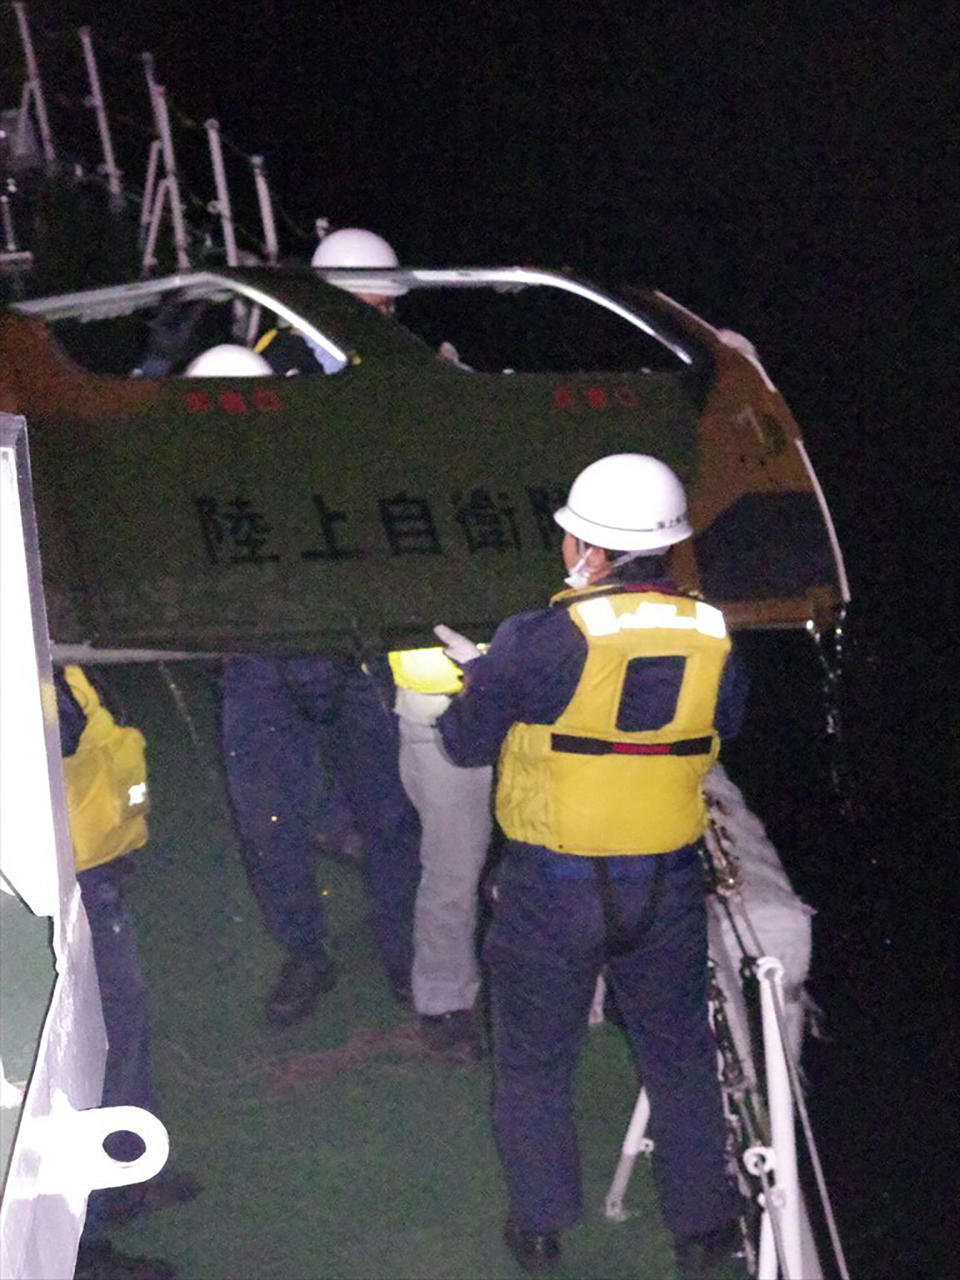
<point x="57" y="1157"/>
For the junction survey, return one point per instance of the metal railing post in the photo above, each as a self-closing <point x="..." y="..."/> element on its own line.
<point x="266" y="210"/>
<point x="222" y="204"/>
<point x="150" y="185"/>
<point x="153" y="156"/>
<point x="9" y="239"/>
<point x="173" y="185"/>
<point x="169" y="186"/>
<point x="95" y="100"/>
<point x="32" y="90"/>
<point x="769" y="972"/>
<point x="634" y="1142"/>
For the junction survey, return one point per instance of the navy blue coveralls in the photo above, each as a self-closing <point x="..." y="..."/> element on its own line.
<point x="555" y="926"/>
<point x="290" y="727"/>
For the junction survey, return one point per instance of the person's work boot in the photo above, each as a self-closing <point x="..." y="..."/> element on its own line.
<point x="537" y="1254"/>
<point x="170" y="1187"/>
<point x="348" y="851"/>
<point x="401" y="988"/>
<point x="454" y="1035"/>
<point x="99" y="1260"/>
<point x="715" y="1255"/>
<point x="305" y="976"/>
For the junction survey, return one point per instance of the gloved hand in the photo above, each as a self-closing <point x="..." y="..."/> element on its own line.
<point x="457" y="647"/>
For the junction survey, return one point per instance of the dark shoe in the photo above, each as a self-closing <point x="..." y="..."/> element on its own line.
<point x="402" y="991"/>
<point x="99" y="1260"/>
<point x="454" y="1035"/>
<point x="715" y="1255"/>
<point x="306" y="975"/>
<point x="168" y="1188"/>
<point x="348" y="852"/>
<point x="537" y="1254"/>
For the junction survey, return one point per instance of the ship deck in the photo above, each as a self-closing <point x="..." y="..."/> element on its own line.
<point x="338" y="1147"/>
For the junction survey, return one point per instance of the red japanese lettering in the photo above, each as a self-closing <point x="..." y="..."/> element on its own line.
<point x="233" y="401"/>
<point x="197" y="402"/>
<point x="564" y="397"/>
<point x="266" y="401"/>
<point x="596" y="397"/>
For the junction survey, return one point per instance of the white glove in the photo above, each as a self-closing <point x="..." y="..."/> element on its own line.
<point x="457" y="647"/>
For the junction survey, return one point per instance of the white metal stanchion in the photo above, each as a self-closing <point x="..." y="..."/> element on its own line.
<point x="221" y="205"/>
<point x="786" y="1193"/>
<point x="243" y="315"/>
<point x="168" y="187"/>
<point x="780" y="1248"/>
<point x="32" y="92"/>
<point x="271" y="247"/>
<point x="636" y="1141"/>
<point x="96" y="102"/>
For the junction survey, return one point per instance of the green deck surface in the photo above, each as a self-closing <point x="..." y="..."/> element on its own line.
<point x="336" y="1148"/>
<point x="26" y="963"/>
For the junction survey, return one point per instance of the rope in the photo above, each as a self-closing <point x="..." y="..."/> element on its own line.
<point x="361" y="1049"/>
<point x="180" y="702"/>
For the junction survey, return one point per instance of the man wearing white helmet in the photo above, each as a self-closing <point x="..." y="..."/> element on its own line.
<point x="228" y="360"/>
<point x="453" y="804"/>
<point x="289" y="351"/>
<point x="353" y="247"/>
<point x="604" y="712"/>
<point x="289" y="722"/>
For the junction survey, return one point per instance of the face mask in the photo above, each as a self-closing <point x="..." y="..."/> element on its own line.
<point x="579" y="575"/>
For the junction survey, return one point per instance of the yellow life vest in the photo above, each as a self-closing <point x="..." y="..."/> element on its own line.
<point x="425" y="670"/>
<point x="584" y="786"/>
<point x="106" y="782"/>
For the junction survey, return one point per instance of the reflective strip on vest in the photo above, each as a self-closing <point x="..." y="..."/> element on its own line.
<point x="601" y="619"/>
<point x="425" y="670"/>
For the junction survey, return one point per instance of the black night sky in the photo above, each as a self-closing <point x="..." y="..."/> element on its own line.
<point x="783" y="171"/>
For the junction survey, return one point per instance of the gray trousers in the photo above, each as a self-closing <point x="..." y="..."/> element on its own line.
<point x="454" y="808"/>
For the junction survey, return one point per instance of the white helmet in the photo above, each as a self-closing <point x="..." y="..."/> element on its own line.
<point x="626" y="502"/>
<point x="228" y="360"/>
<point x="354" y="247"/>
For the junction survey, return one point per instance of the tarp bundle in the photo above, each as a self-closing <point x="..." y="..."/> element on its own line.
<point x="762" y="916"/>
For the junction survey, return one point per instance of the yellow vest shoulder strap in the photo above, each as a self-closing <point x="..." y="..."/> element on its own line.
<point x="264" y="341"/>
